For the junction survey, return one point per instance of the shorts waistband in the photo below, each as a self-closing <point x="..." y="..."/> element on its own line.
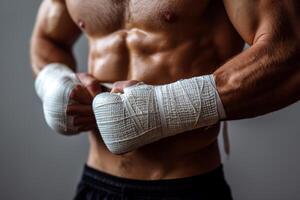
<point x="113" y="183"/>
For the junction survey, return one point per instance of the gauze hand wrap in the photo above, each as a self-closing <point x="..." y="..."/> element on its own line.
<point x="145" y="113"/>
<point x="54" y="85"/>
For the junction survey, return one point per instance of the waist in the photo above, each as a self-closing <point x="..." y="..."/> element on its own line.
<point x="204" y="185"/>
<point x="183" y="155"/>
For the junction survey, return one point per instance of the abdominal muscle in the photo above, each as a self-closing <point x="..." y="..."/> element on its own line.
<point x="155" y="58"/>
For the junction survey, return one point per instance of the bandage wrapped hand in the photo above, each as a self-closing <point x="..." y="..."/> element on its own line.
<point x="67" y="104"/>
<point x="144" y="113"/>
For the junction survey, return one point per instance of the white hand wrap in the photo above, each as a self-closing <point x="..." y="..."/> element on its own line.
<point x="145" y="113"/>
<point x="54" y="85"/>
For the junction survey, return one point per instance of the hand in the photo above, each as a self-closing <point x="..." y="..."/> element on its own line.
<point x="82" y="97"/>
<point x="146" y="113"/>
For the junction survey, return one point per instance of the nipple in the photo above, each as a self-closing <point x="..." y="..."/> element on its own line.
<point x="81" y="24"/>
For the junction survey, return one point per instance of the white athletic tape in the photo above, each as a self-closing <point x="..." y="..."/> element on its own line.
<point x="145" y="113"/>
<point x="54" y="85"/>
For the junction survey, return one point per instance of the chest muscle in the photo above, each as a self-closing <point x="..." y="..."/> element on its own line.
<point x="100" y="17"/>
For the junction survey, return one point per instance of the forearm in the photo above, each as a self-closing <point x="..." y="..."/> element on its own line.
<point x="262" y="79"/>
<point x="45" y="51"/>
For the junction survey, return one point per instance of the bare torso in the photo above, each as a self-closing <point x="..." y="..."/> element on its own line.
<point x="156" y="42"/>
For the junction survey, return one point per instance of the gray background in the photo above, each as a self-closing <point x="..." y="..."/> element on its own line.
<point x="38" y="164"/>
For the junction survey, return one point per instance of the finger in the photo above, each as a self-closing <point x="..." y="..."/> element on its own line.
<point x="88" y="128"/>
<point x="116" y="90"/>
<point x="84" y="121"/>
<point x="82" y="110"/>
<point x="120" y="85"/>
<point x="81" y="95"/>
<point x="91" y="83"/>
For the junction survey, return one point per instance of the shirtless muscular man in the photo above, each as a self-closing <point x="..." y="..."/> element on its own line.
<point x="177" y="69"/>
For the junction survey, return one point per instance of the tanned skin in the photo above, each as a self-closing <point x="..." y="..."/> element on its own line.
<point x="161" y="41"/>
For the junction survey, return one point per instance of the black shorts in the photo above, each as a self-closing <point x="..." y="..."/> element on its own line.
<point x="96" y="185"/>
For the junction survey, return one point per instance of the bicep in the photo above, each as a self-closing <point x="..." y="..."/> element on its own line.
<point x="258" y="19"/>
<point x="54" y="23"/>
